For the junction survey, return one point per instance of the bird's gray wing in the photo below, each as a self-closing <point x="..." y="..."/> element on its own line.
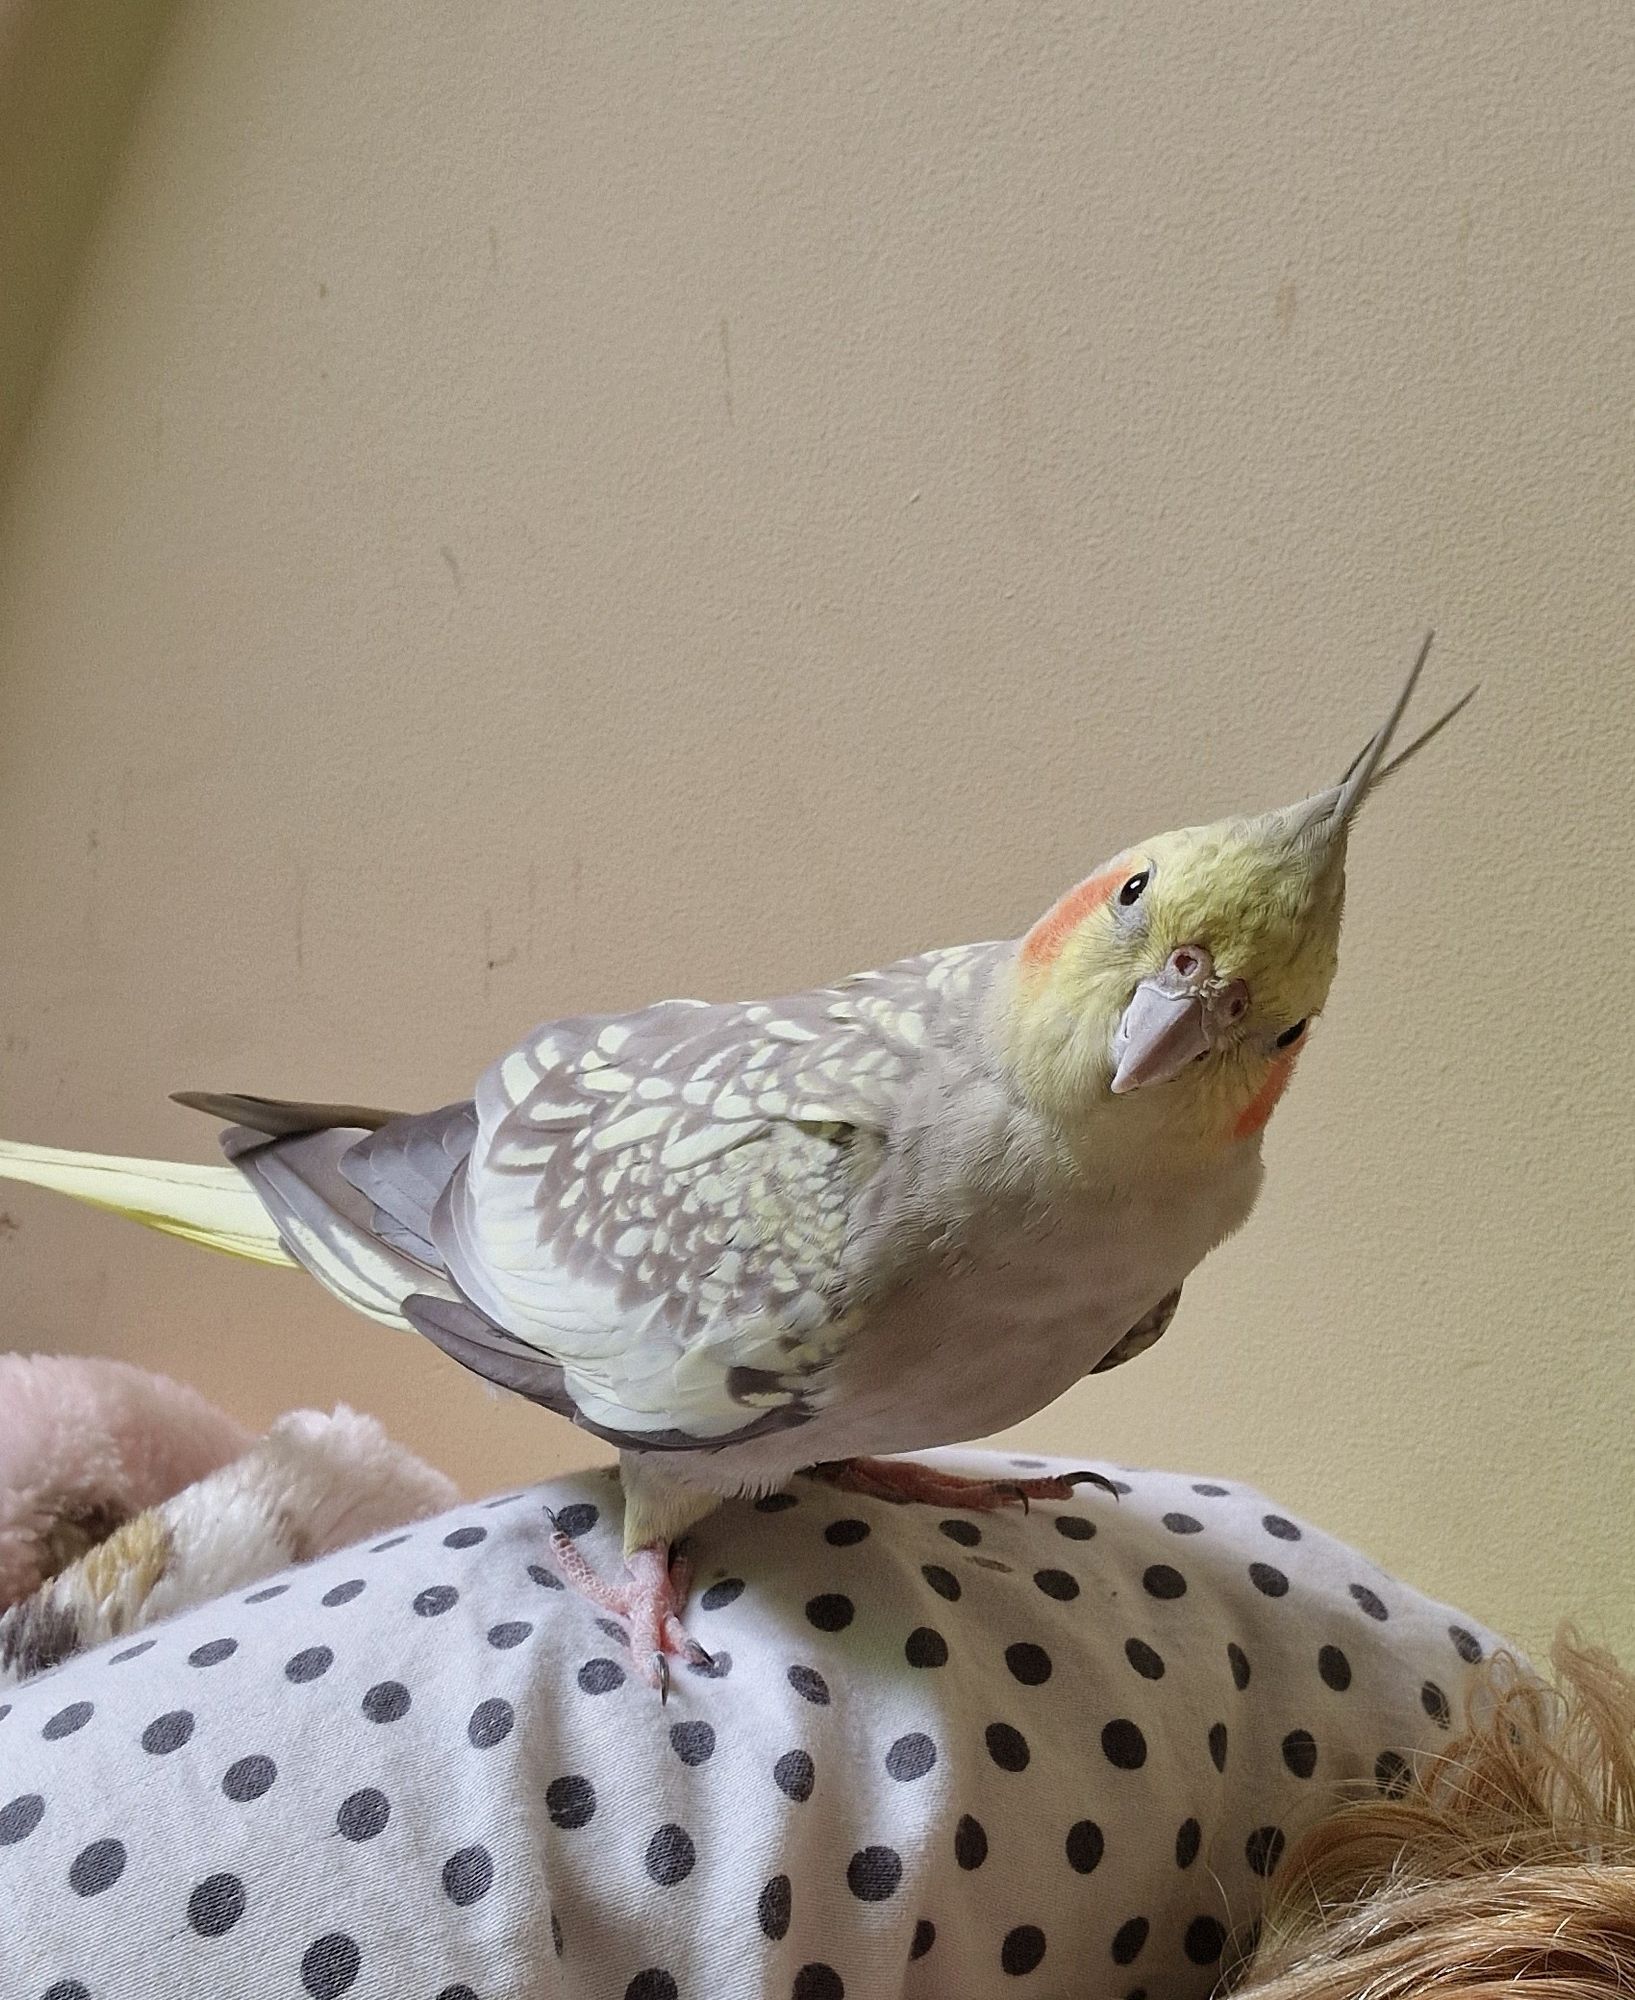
<point x="641" y="1219"/>
<point x="659" y="1201"/>
<point x="354" y="1208"/>
<point x="1148" y="1330"/>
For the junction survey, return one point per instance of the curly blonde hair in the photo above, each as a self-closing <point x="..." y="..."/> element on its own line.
<point x="1507" y="1866"/>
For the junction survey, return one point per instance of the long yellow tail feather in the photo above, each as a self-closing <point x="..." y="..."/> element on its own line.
<point x="214" y="1206"/>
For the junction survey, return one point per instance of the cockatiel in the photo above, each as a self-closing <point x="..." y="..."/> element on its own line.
<point x="740" y="1241"/>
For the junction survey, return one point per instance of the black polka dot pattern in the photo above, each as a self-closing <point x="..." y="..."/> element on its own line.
<point x="653" y="1983"/>
<point x="19" y="1817"/>
<point x="1147" y="1662"/>
<point x="830" y="1612"/>
<point x="795" y="1775"/>
<point x="1391" y="1773"/>
<point x="1123" y="1744"/>
<point x="1022" y="1744"/>
<point x="773" y="1908"/>
<point x="874" y="1873"/>
<point x="810" y="1685"/>
<point x="1007" y="1746"/>
<point x="970" y="1842"/>
<point x="167" y="1732"/>
<point x="491" y="1722"/>
<point x="329" y="1965"/>
<point x="249" y="1778"/>
<point x="386" y="1701"/>
<point x="1023" y="1950"/>
<point x="670" y="1855"/>
<point x="362" y="1815"/>
<point x="97" y="1867"/>
<point x="1057" y="1583"/>
<point x="1029" y="1663"/>
<point x="571" y="1801"/>
<point x="600" y="1676"/>
<point x="925" y="1647"/>
<point x="215" y="1905"/>
<point x="1300" y="1752"/>
<point x="911" y="1756"/>
<point x="468" y="1875"/>
<point x="693" y="1742"/>
<point x="1205" y="1940"/>
<point x="1334" y="1668"/>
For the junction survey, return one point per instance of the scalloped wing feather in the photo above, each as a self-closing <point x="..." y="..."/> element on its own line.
<point x="660" y="1201"/>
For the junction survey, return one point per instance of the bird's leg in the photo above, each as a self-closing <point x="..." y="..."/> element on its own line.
<point x="649" y="1600"/>
<point x="902" y="1479"/>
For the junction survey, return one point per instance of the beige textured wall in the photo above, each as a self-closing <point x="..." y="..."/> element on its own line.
<point x="542" y="507"/>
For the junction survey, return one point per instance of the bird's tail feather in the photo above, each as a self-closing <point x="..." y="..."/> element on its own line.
<point x="214" y="1206"/>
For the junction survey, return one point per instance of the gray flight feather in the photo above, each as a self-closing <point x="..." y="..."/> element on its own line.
<point x="1147" y="1332"/>
<point x="404" y="1169"/>
<point x="280" y="1117"/>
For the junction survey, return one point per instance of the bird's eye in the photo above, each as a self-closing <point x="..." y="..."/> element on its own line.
<point x="1290" y="1036"/>
<point x="1134" y="889"/>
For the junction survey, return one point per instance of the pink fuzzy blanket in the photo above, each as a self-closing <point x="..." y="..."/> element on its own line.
<point x="126" y="1497"/>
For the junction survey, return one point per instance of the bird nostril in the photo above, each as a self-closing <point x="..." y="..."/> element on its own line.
<point x="1189" y="962"/>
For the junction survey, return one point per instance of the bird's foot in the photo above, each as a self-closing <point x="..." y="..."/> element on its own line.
<point x="649" y="1601"/>
<point x="902" y="1479"/>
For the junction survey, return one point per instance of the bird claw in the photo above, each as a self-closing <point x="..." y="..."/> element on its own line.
<point x="648" y="1601"/>
<point x="1017" y="1490"/>
<point x="1089" y="1478"/>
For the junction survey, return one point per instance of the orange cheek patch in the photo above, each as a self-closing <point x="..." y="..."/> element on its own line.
<point x="1264" y="1102"/>
<point x="1042" y="944"/>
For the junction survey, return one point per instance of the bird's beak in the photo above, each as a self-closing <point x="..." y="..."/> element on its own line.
<point x="1159" y="1034"/>
<point x="1173" y="1018"/>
